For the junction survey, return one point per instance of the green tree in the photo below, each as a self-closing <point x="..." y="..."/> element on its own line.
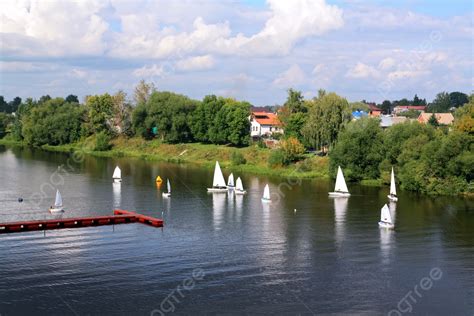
<point x="72" y="99"/>
<point x="327" y="117"/>
<point x="100" y="112"/>
<point x="359" y="150"/>
<point x="3" y="104"/>
<point x="441" y="103"/>
<point x="433" y="121"/>
<point x="143" y="92"/>
<point x="458" y="99"/>
<point x="238" y="122"/>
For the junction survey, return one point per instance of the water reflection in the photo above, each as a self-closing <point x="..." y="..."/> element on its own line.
<point x="340" y="209"/>
<point x="393" y="210"/>
<point x="386" y="242"/>
<point x="117" y="188"/>
<point x="218" y="209"/>
<point x="239" y="200"/>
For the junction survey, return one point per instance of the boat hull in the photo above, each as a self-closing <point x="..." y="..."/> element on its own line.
<point x="386" y="225"/>
<point x="339" y="194"/>
<point x="56" y="210"/>
<point x="266" y="200"/>
<point x="240" y="192"/>
<point x="217" y="190"/>
<point x="392" y="198"/>
<point x="117" y="180"/>
<point x="166" y="195"/>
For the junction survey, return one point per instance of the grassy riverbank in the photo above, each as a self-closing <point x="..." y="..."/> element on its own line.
<point x="199" y="154"/>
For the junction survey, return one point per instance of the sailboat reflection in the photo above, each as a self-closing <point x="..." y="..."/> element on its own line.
<point x="386" y="241"/>
<point x="340" y="209"/>
<point x="218" y="207"/>
<point x="117" y="187"/>
<point x="393" y="210"/>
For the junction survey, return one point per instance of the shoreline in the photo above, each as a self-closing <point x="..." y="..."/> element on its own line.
<point x="202" y="155"/>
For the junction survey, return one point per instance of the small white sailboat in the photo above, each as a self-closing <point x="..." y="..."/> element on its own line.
<point x="218" y="183"/>
<point x="58" y="204"/>
<point x="239" y="188"/>
<point x="393" y="190"/>
<point x="230" y="182"/>
<point x="117" y="176"/>
<point x="340" y="189"/>
<point x="386" y="218"/>
<point x="266" y="194"/>
<point x="168" y="186"/>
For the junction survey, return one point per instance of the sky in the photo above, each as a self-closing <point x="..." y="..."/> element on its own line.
<point x="252" y="50"/>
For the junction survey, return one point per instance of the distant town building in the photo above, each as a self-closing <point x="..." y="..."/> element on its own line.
<point x="358" y="114"/>
<point x="374" y="111"/>
<point x="403" y="108"/>
<point x="442" y="118"/>
<point x="387" y="121"/>
<point x="264" y="124"/>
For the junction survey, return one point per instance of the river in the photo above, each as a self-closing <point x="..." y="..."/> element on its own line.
<point x="224" y="254"/>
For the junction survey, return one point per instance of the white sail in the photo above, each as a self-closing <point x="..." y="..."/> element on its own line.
<point x="117" y="173"/>
<point x="219" y="180"/>
<point x="59" y="200"/>
<point x="266" y="193"/>
<point x="385" y="215"/>
<point x="393" y="189"/>
<point x="168" y="185"/>
<point x="239" y="185"/>
<point x="230" y="181"/>
<point x="340" y="182"/>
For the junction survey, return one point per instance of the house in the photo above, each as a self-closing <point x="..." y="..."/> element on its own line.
<point x="374" y="111"/>
<point x="442" y="118"/>
<point x="403" y="108"/>
<point x="264" y="124"/>
<point x="358" y="114"/>
<point x="387" y="121"/>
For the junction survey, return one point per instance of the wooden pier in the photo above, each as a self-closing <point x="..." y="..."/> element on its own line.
<point x="119" y="217"/>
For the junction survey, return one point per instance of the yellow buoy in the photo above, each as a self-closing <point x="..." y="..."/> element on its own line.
<point x="158" y="179"/>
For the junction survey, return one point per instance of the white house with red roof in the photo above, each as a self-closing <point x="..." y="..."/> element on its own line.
<point x="403" y="108"/>
<point x="264" y="124"/>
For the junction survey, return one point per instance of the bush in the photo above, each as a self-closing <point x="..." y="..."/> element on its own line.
<point x="102" y="142"/>
<point x="277" y="158"/>
<point x="292" y="149"/>
<point x="237" y="158"/>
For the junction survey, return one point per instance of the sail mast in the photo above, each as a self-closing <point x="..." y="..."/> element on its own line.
<point x="393" y="190"/>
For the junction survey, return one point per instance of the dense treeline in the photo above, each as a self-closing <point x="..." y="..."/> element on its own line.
<point x="427" y="158"/>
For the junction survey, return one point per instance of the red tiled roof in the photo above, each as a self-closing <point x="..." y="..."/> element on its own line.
<point x="442" y="118"/>
<point x="372" y="107"/>
<point x="412" y="107"/>
<point x="264" y="118"/>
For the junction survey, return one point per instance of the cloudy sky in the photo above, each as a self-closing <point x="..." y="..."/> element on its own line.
<point x="252" y="50"/>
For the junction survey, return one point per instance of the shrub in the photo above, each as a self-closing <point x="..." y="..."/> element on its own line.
<point x="292" y="149"/>
<point x="237" y="158"/>
<point x="102" y="142"/>
<point x="277" y="158"/>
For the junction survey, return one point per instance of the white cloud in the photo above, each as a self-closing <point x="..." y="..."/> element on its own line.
<point x="150" y="71"/>
<point x="361" y="70"/>
<point x="293" y="76"/>
<point x="387" y="63"/>
<point x="52" y="28"/>
<point x="196" y="63"/>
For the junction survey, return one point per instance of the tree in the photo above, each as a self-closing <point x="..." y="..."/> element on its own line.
<point x="14" y="105"/>
<point x="100" y="110"/>
<point x="72" y="99"/>
<point x="3" y="104"/>
<point x="386" y="106"/>
<point x="458" y="99"/>
<point x="327" y="117"/>
<point x="292" y="149"/>
<point x="295" y="102"/>
<point x="433" y="121"/>
<point x="441" y="103"/>
<point x="238" y="122"/>
<point x="143" y="92"/>
<point x="44" y="98"/>
<point x="359" y="149"/>
<point x="292" y="114"/>
<point x="121" y="113"/>
<point x="3" y="124"/>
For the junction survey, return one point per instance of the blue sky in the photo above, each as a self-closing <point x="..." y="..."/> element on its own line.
<point x="251" y="50"/>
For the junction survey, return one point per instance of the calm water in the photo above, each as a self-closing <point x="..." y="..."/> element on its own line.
<point x="220" y="254"/>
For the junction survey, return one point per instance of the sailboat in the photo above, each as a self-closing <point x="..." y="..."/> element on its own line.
<point x="168" y="186"/>
<point x="386" y="218"/>
<point x="117" y="176"/>
<point x="239" y="188"/>
<point x="393" y="190"/>
<point x="340" y="189"/>
<point x="230" y="181"/>
<point x="266" y="194"/>
<point x="58" y="204"/>
<point x="218" y="183"/>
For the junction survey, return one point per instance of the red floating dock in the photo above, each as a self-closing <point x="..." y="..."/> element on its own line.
<point x="119" y="217"/>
